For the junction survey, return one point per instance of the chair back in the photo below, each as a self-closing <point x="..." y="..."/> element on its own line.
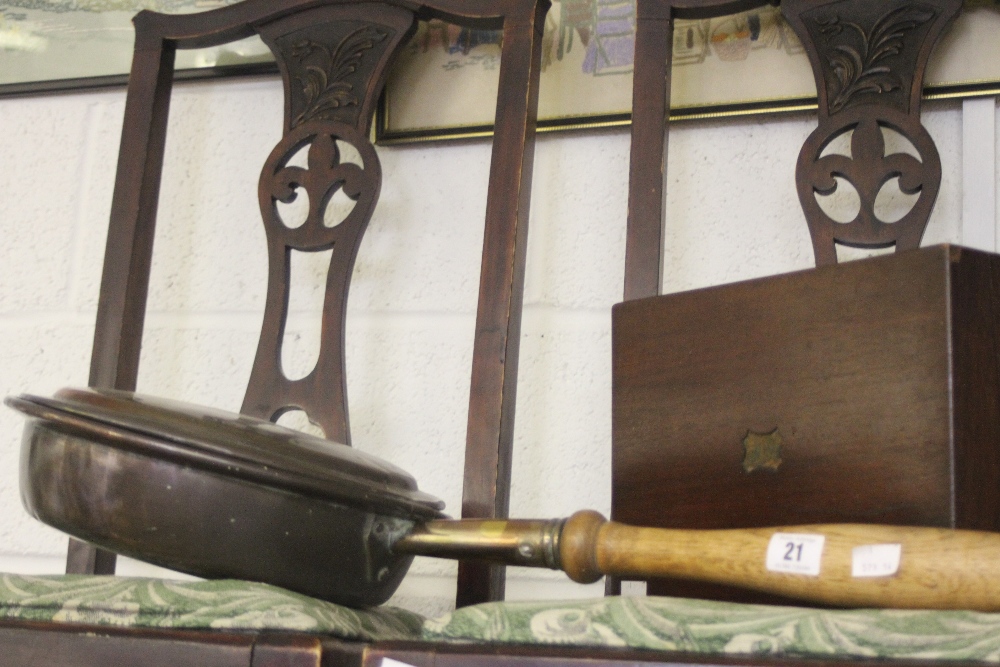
<point x="334" y="57"/>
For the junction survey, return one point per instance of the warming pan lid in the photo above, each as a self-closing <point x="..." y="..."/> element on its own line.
<point x="234" y="445"/>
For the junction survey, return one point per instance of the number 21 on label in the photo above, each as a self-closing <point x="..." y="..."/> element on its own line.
<point x="795" y="553"/>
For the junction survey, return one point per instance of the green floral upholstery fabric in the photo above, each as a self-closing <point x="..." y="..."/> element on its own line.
<point x="723" y="628"/>
<point x="221" y="604"/>
<point x="656" y="623"/>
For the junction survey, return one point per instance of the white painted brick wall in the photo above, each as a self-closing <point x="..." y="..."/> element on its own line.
<point x="733" y="214"/>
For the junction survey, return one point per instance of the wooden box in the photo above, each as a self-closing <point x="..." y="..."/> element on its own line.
<point x="862" y="392"/>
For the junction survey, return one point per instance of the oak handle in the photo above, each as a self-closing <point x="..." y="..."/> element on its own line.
<point x="938" y="568"/>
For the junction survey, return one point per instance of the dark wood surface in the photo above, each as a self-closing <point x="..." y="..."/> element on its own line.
<point x="490" y="434"/>
<point x="650" y="110"/>
<point x="322" y="120"/>
<point x="975" y="345"/>
<point x="879" y="377"/>
<point x="868" y="59"/>
<point x="28" y="644"/>
<point x="502" y="655"/>
<point x="35" y="644"/>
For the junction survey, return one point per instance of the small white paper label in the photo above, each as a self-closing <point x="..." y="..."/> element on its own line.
<point x="795" y="553"/>
<point x="876" y="560"/>
<point x="633" y="589"/>
<point x="389" y="662"/>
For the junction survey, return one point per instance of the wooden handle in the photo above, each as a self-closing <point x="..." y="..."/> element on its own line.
<point x="936" y="568"/>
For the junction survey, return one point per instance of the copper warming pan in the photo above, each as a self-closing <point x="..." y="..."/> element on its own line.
<point x="218" y="494"/>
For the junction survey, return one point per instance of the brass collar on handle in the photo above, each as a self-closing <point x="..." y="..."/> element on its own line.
<point x="533" y="543"/>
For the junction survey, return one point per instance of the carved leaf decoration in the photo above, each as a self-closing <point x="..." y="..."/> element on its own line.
<point x="325" y="83"/>
<point x="863" y="71"/>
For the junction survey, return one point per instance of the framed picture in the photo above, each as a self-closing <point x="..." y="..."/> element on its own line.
<point x="48" y="45"/>
<point x="740" y="64"/>
<point x="745" y="63"/>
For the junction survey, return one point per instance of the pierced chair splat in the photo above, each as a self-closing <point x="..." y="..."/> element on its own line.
<point x="869" y="61"/>
<point x="334" y="56"/>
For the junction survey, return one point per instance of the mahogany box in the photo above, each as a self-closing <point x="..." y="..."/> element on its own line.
<point x="860" y="392"/>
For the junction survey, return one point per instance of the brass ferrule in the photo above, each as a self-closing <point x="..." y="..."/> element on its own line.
<point x="511" y="542"/>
